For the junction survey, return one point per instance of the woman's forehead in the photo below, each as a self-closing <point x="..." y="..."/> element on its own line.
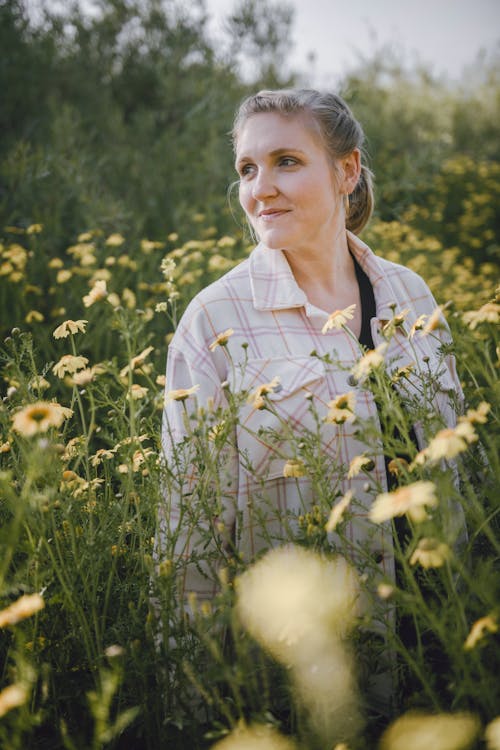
<point x="273" y="131"/>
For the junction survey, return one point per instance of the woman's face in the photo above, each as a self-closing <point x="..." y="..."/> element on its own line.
<point x="288" y="188"/>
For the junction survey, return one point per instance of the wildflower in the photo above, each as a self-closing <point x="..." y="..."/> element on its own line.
<point x="98" y="292"/>
<point x="448" y="443"/>
<point x="69" y="363"/>
<point x="173" y="237"/>
<point x="255" y="737"/>
<point x="479" y="629"/>
<point x="5" y="447"/>
<point x="402" y="372"/>
<point x="180" y="394"/>
<point x="359" y="463"/>
<point x="161" y="307"/>
<point x="397" y="466"/>
<point x="38" y="383"/>
<point x="34" y="317"/>
<point x="147" y="246"/>
<point x="294" y="468"/>
<point x="84" y="377"/>
<point x="492" y="734"/>
<point x="24" y="607"/>
<point x="161" y="380"/>
<point x="135" y="361"/>
<point x="373" y="359"/>
<point x="385" y="590"/>
<point x="221" y="339"/>
<point x="12" y="697"/>
<point x="115" y="240"/>
<point x="291" y="594"/>
<point x="341" y="409"/>
<point x="389" y="326"/>
<point x="430" y="553"/>
<point x="38" y="417"/>
<point x="63" y="275"/>
<point x="100" y="455"/>
<point x="167" y="267"/>
<point x="410" y="499"/>
<point x="337" y="512"/>
<point x="418" y="325"/>
<point x="84" y="237"/>
<point x="34" y="229"/>
<point x="338" y="318"/>
<point x="420" y="731"/>
<point x="137" y="391"/>
<point x="114" y="300"/>
<point x="70" y="327"/>
<point x="488" y="313"/>
<point x="477" y="415"/>
<point x="129" y="299"/>
<point x="256" y="397"/>
<point x="434" y="321"/>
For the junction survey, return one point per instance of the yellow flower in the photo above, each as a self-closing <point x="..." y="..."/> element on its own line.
<point x="84" y="377"/>
<point x="256" y="397"/>
<point x="69" y="363"/>
<point x="180" y="394"/>
<point x="12" y="697"/>
<point x="389" y="326"/>
<point x="358" y="463"/>
<point x="69" y="327"/>
<point x="294" y="468"/>
<point x="492" y="734"/>
<point x="385" y="590"/>
<point x="115" y="240"/>
<point x="479" y="629"/>
<point x="397" y="466"/>
<point x="161" y="380"/>
<point x="430" y="553"/>
<point x="5" y="447"/>
<point x="129" y="299"/>
<point x="63" y="275"/>
<point x="477" y="415"/>
<point x="488" y="313"/>
<point x="24" y="607"/>
<point x="341" y="409"/>
<point x="147" y="246"/>
<point x="84" y="237"/>
<point x="34" y="229"/>
<point x="373" y="359"/>
<point x="337" y="512"/>
<point x="221" y="339"/>
<point x="137" y="391"/>
<point x="435" y="320"/>
<point x="448" y="443"/>
<point x="338" y="318"/>
<point x="410" y="499"/>
<point x="419" y="731"/>
<point x="98" y="292"/>
<point x="255" y="737"/>
<point x="38" y="383"/>
<point x="135" y="361"/>
<point x="34" y="317"/>
<point x="418" y="325"/>
<point x="38" y="417"/>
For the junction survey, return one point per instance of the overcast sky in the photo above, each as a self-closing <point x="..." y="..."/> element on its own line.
<point x="446" y="34"/>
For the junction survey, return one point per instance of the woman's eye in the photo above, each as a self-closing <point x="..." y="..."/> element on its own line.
<point x="246" y="169"/>
<point x="288" y="161"/>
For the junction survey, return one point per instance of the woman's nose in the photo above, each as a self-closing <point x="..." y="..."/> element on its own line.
<point x="263" y="185"/>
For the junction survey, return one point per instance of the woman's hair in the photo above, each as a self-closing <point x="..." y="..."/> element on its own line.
<point x="341" y="133"/>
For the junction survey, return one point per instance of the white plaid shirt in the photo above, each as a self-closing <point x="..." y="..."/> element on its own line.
<point x="279" y="328"/>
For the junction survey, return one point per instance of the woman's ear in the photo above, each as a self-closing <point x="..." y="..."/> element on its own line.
<point x="351" y="170"/>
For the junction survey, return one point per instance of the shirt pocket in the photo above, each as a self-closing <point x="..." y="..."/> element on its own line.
<point x="295" y="405"/>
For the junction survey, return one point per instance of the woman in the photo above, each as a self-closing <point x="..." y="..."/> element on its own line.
<point x="306" y="195"/>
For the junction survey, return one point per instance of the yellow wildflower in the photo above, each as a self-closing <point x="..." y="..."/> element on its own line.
<point x="34" y="317"/>
<point x="420" y="731"/>
<point x="337" y="512"/>
<point x="70" y="327"/>
<point x="180" y="394"/>
<point x="477" y="415"/>
<point x="488" y="313"/>
<point x="341" y="409"/>
<point x="137" y="391"/>
<point x="5" y="447"/>
<point x="34" y="229"/>
<point x="161" y="380"/>
<point x="24" y="607"/>
<point x="38" y="383"/>
<point x="221" y="339"/>
<point x="479" y="629"/>
<point x="97" y="293"/>
<point x="135" y="361"/>
<point x="389" y="326"/>
<point x="492" y="734"/>
<point x="370" y="361"/>
<point x="397" y="466"/>
<point x="256" y="397"/>
<point x="418" y="325"/>
<point x="12" y="697"/>
<point x="84" y="377"/>
<point x="115" y="240"/>
<point x="385" y="590"/>
<point x="448" y="443"/>
<point x="435" y="321"/>
<point x="63" y="275"/>
<point x="69" y="363"/>
<point x="38" y="417"/>
<point x="129" y="299"/>
<point x="430" y="553"/>
<point x="84" y="237"/>
<point x="359" y="463"/>
<point x="294" y="468"/>
<point x="147" y="246"/>
<point x="410" y="499"/>
<point x="338" y="318"/>
<point x="255" y="737"/>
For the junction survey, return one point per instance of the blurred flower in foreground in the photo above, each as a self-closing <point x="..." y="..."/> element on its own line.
<point x="12" y="697"/>
<point x="430" y="553"/>
<point x="479" y="629"/>
<point x="479" y="415"/>
<point x="370" y="361"/>
<point x="98" y="292"/>
<point x="488" y="313"/>
<point x="338" y="318"/>
<point x="38" y="417"/>
<point x="341" y="409"/>
<point x="24" y="607"/>
<point x="448" y="443"/>
<point x="410" y="499"/>
<point x="294" y="468"/>
<point x="180" y="394"/>
<point x="255" y="737"/>
<point x="359" y="463"/>
<point x="289" y="595"/>
<point x="337" y="511"/>
<point x="415" y="731"/>
<point x="69" y="326"/>
<point x="492" y="734"/>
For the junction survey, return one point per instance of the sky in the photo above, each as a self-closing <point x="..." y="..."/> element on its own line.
<point x="446" y="35"/>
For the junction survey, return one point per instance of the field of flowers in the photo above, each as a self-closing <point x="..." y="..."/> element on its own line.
<point x="95" y="652"/>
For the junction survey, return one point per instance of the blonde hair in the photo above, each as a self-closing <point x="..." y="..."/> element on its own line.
<point x="340" y="132"/>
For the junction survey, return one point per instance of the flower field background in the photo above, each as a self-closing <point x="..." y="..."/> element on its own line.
<point x="114" y="167"/>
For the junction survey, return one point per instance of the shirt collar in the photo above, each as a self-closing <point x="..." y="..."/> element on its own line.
<point x="274" y="287"/>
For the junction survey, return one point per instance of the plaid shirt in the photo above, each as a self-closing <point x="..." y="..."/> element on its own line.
<point x="277" y="332"/>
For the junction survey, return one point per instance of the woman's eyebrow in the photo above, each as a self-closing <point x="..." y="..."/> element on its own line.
<point x="276" y="152"/>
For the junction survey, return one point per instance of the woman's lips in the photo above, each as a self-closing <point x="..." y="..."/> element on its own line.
<point x="274" y="213"/>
